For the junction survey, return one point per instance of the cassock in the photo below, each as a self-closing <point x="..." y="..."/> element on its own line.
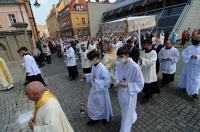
<point x="99" y="104"/>
<point x="148" y="64"/>
<point x="168" y="67"/>
<point x="157" y="48"/>
<point x="127" y="97"/>
<point x="86" y="64"/>
<point x="6" y="80"/>
<point x="49" y="116"/>
<point x="190" y="76"/>
<point x="71" y="62"/>
<point x="134" y="53"/>
<point x="32" y="70"/>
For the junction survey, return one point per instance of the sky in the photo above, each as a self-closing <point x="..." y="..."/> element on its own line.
<point x="43" y="11"/>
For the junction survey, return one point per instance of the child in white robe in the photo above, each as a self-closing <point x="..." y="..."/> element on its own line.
<point x="129" y="81"/>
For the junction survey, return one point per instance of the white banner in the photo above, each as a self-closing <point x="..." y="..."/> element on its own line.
<point x="142" y="22"/>
<point x="117" y="26"/>
<point x="129" y="24"/>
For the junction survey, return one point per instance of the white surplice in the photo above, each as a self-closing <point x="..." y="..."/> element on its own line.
<point x="51" y="118"/>
<point x="99" y="104"/>
<point x="127" y="97"/>
<point x="84" y="60"/>
<point x="149" y="66"/>
<point x="190" y="76"/>
<point x="168" y="66"/>
<point x="70" y="57"/>
<point x="30" y="65"/>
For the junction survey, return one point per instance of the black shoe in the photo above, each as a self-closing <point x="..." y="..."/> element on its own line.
<point x="92" y="122"/>
<point x="104" y="121"/>
<point x="195" y="96"/>
<point x="144" y="101"/>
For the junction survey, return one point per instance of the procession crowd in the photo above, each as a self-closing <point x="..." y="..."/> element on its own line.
<point x="117" y="61"/>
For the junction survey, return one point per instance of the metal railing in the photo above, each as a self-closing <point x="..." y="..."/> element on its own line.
<point x="180" y="20"/>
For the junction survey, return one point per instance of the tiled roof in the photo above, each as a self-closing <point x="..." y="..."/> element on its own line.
<point x="8" y="1"/>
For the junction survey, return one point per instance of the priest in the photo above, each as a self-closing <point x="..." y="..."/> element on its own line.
<point x="48" y="115"/>
<point x="129" y="81"/>
<point x="6" y="80"/>
<point x="99" y="105"/>
<point x="190" y="76"/>
<point x="168" y="58"/>
<point x="71" y="62"/>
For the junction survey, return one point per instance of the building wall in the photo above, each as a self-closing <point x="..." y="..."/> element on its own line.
<point x="192" y="18"/>
<point x="10" y="42"/>
<point x="5" y="10"/>
<point x="71" y="23"/>
<point x="95" y="13"/>
<point x="80" y="26"/>
<point x="43" y="30"/>
<point x="76" y="18"/>
<point x="65" y="25"/>
<point x="53" y="25"/>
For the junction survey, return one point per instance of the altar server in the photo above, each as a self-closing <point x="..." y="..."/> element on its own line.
<point x="129" y="81"/>
<point x="168" y="58"/>
<point x="99" y="104"/>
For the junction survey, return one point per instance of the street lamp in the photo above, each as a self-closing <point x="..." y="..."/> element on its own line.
<point x="36" y="4"/>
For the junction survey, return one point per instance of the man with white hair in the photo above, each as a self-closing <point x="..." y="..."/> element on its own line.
<point x="48" y="115"/>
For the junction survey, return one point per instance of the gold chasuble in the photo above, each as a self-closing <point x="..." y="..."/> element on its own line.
<point x="6" y="80"/>
<point x="45" y="97"/>
<point x="49" y="116"/>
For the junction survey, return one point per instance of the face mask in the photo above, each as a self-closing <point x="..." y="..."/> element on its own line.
<point x="122" y="60"/>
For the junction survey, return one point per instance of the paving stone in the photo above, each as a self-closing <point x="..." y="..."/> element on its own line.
<point x="172" y="111"/>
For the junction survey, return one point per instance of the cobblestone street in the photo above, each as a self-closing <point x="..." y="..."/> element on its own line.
<point x="171" y="111"/>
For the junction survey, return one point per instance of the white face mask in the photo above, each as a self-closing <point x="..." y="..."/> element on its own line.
<point x="122" y="60"/>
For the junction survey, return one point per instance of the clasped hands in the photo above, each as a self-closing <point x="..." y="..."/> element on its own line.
<point x="121" y="84"/>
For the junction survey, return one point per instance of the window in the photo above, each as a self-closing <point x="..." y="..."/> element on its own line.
<point x="12" y="19"/>
<point x="79" y="7"/>
<point x="83" y="21"/>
